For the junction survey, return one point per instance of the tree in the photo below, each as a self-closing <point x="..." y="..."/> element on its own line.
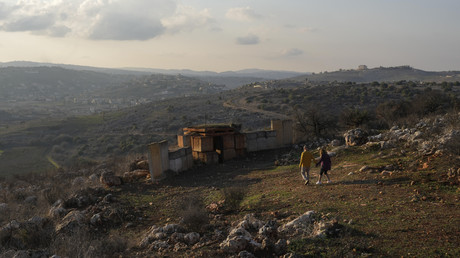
<point x="313" y="121"/>
<point x="391" y="111"/>
<point x="352" y="118"/>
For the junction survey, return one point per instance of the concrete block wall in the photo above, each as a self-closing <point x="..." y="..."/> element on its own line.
<point x="158" y="159"/>
<point x="284" y="131"/>
<point x="261" y="140"/>
<point x="180" y="160"/>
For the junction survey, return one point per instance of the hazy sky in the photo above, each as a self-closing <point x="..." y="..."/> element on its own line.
<point x="221" y="35"/>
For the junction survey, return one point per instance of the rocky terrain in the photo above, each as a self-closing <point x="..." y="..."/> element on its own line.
<point x="394" y="193"/>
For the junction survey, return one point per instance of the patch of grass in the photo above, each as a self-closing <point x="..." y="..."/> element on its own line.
<point x="19" y="161"/>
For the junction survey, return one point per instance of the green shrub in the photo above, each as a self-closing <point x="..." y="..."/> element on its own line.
<point x="233" y="197"/>
<point x="193" y="213"/>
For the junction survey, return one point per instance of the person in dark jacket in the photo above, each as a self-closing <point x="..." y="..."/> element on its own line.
<point x="325" y="162"/>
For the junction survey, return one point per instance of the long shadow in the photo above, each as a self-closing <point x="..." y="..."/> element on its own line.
<point x="390" y="181"/>
<point x="218" y="175"/>
<point x="223" y="175"/>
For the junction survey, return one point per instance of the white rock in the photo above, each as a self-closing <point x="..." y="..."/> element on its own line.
<point x="95" y="219"/>
<point x="192" y="238"/>
<point x="364" y="168"/>
<point x="297" y="224"/>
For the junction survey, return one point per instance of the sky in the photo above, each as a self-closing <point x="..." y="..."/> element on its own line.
<point x="229" y="35"/>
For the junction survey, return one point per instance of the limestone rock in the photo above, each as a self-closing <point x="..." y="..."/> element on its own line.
<point x="109" y="179"/>
<point x="364" y="169"/>
<point x="57" y="210"/>
<point x="238" y="240"/>
<point x="73" y="220"/>
<point x="31" y="200"/>
<point x="135" y="175"/>
<point x="192" y="238"/>
<point x="355" y="137"/>
<point x="298" y="225"/>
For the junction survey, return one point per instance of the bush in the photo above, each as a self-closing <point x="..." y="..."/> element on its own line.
<point x="193" y="213"/>
<point x="233" y="197"/>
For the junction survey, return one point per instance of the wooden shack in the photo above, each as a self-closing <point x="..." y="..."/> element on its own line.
<point x="213" y="143"/>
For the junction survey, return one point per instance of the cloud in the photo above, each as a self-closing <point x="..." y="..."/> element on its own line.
<point x="102" y="19"/>
<point x="30" y="23"/>
<point x="59" y="31"/>
<point x="128" y="20"/>
<point x="242" y="14"/>
<point x="250" y="39"/>
<point x="187" y="18"/>
<point x="4" y="11"/>
<point x="292" y="52"/>
<point x="124" y="27"/>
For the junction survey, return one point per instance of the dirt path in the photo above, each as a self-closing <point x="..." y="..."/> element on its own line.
<point x="241" y="104"/>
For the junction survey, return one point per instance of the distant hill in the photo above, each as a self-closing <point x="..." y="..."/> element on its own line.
<point x="41" y="82"/>
<point x="231" y="79"/>
<point x="248" y="73"/>
<point x="161" y="86"/>
<point x="52" y="83"/>
<point x="388" y="74"/>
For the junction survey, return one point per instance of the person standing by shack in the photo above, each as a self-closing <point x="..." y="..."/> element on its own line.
<point x="325" y="161"/>
<point x="305" y="161"/>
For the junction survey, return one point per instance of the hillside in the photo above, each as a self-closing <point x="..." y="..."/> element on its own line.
<point x="384" y="200"/>
<point x="382" y="74"/>
<point x="337" y="106"/>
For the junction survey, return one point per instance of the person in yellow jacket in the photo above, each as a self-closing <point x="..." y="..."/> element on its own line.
<point x="305" y="161"/>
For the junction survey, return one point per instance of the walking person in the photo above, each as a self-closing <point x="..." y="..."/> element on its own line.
<point x="325" y="161"/>
<point x="305" y="161"/>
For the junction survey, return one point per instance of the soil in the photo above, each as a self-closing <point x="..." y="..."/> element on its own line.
<point x="406" y="213"/>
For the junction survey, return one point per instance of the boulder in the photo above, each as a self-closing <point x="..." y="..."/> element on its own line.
<point x="72" y="221"/>
<point x="109" y="179"/>
<point x="239" y="239"/>
<point x="158" y="245"/>
<point x="135" y="175"/>
<point x="192" y="238"/>
<point x="386" y="145"/>
<point x="96" y="219"/>
<point x="143" y="165"/>
<point x="31" y="200"/>
<point x="299" y="225"/>
<point x="57" y="210"/>
<point x="335" y="143"/>
<point x="93" y="178"/>
<point x="324" y="229"/>
<point x="364" y="168"/>
<point x="249" y="222"/>
<point x="355" y="137"/>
